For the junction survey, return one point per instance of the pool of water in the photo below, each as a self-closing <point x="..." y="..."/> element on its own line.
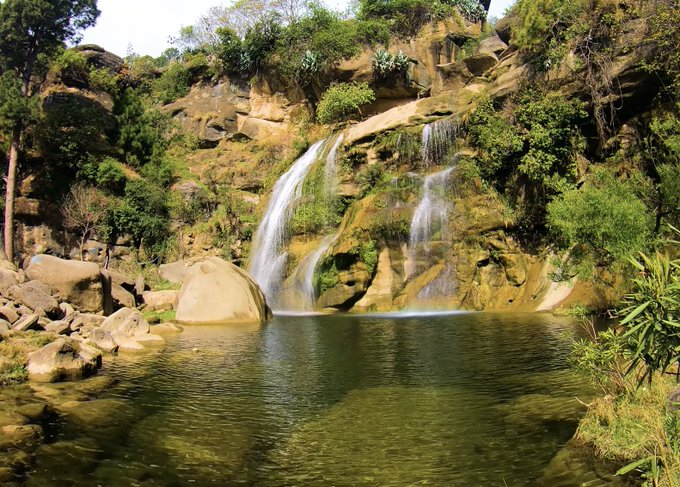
<point x="455" y="400"/>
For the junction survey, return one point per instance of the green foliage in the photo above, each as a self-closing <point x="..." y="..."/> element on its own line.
<point x="143" y="214"/>
<point x="651" y="313"/>
<point x="70" y="64"/>
<point x="498" y="140"/>
<point x="529" y="150"/>
<point x="663" y="152"/>
<point x="604" y="217"/>
<point x="174" y="83"/>
<point x="102" y="79"/>
<point x="343" y="100"/>
<point x="15" y="108"/>
<point x="325" y="35"/>
<point x="372" y="32"/>
<point x="600" y="359"/>
<point x="369" y="178"/>
<point x="140" y="132"/>
<point x="247" y="55"/>
<point x="328" y="277"/>
<point x="106" y="175"/>
<point x="470" y="9"/>
<point x="386" y="64"/>
<point x="663" y="39"/>
<point x="368" y="254"/>
<point x="539" y="22"/>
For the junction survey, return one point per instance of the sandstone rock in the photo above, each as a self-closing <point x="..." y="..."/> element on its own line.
<point x="166" y="329"/>
<point x="140" y="286"/>
<point x="174" y="272"/>
<point x="216" y="291"/>
<point x="515" y="268"/>
<point x="27" y="322"/>
<point x="60" y="327"/>
<point x="66" y="309"/>
<point x="79" y="283"/>
<point x="34" y="297"/>
<point x="5" y="325"/>
<point x="352" y="284"/>
<point x="504" y="28"/>
<point x="8" y="279"/>
<point x="121" y="279"/>
<point x="127" y="321"/>
<point x="121" y="297"/>
<point x="63" y="359"/>
<point x="451" y="76"/>
<point x="150" y="340"/>
<point x="481" y="62"/>
<point x="24" y="310"/>
<point x="126" y="343"/>
<point x="9" y="313"/>
<point x="160" y="300"/>
<point x="493" y="45"/>
<point x="102" y="340"/>
<point x="99" y="58"/>
<point x="86" y="319"/>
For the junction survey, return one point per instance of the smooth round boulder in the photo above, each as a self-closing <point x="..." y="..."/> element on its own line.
<point x="216" y="291"/>
<point x="63" y="359"/>
<point x="78" y="283"/>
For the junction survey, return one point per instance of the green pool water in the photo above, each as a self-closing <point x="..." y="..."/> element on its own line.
<point x="448" y="400"/>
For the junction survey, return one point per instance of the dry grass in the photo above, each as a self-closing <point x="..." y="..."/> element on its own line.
<point x="14" y="353"/>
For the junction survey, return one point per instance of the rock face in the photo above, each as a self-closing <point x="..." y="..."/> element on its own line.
<point x="63" y="359"/>
<point x="76" y="282"/>
<point x="216" y="291"/>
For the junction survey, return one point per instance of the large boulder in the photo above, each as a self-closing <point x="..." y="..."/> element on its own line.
<point x="174" y="272"/>
<point x="63" y="359"/>
<point x="160" y="300"/>
<point x="79" y="283"/>
<point x="31" y="295"/>
<point x="216" y="291"/>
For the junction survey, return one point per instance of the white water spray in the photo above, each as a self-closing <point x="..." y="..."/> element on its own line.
<point x="269" y="254"/>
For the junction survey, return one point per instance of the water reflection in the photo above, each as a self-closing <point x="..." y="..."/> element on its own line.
<point x="464" y="399"/>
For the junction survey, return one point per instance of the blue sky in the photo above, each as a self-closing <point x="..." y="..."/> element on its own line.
<point x="147" y="24"/>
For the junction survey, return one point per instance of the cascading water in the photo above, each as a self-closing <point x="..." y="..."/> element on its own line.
<point x="430" y="225"/>
<point x="330" y="182"/>
<point x="306" y="270"/>
<point x="269" y="254"/>
<point x="432" y="212"/>
<point x="438" y="137"/>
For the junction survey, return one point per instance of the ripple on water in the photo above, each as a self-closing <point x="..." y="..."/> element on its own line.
<point x="467" y="400"/>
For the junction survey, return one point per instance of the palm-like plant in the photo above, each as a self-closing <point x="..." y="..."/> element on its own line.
<point x="652" y="314"/>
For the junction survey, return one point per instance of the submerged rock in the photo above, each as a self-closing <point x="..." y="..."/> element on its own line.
<point x="216" y="291"/>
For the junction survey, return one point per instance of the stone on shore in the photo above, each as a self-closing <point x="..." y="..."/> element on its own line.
<point x="79" y="283"/>
<point x="216" y="291"/>
<point x="63" y="359"/>
<point x="160" y="300"/>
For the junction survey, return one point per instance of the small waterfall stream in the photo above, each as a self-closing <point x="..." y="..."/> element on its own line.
<point x="269" y="254"/>
<point x="330" y="181"/>
<point x="431" y="215"/>
<point x="307" y="268"/>
<point x="437" y="139"/>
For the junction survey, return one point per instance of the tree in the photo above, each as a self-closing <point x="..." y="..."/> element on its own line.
<point x="343" y="100"/>
<point x="31" y="31"/>
<point x="84" y="212"/>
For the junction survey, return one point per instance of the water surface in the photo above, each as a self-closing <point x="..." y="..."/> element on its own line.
<point x="456" y="400"/>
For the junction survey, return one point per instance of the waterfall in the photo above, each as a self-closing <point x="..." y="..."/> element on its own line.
<point x="438" y="137"/>
<point x="330" y="182"/>
<point x="307" y="268"/>
<point x="432" y="212"/>
<point x="269" y="254"/>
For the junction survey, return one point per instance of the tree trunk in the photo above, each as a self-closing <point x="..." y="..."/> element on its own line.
<point x="9" y="199"/>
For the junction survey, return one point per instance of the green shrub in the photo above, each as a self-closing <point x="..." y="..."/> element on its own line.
<point x="140" y="132"/>
<point x="173" y="84"/>
<point x="538" y="22"/>
<point x="369" y="178"/>
<point x="663" y="152"/>
<point x="372" y="32"/>
<point x="604" y="217"/>
<point x="328" y="277"/>
<point x="470" y="9"/>
<point x="70" y="64"/>
<point x="107" y="175"/>
<point x="102" y="79"/>
<point x="386" y="64"/>
<point x="343" y="100"/>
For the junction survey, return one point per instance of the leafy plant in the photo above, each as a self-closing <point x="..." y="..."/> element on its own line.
<point x="343" y="100"/>
<point x="386" y="64"/>
<point x="174" y="83"/>
<point x="652" y="318"/>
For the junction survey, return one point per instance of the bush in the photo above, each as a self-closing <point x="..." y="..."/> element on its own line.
<point x="343" y="100"/>
<point x="538" y="22"/>
<point x="386" y="64"/>
<point x="173" y="84"/>
<point x="604" y="217"/>
<point x="102" y="79"/>
<point x="107" y="175"/>
<point x="70" y="64"/>
<point x="369" y="178"/>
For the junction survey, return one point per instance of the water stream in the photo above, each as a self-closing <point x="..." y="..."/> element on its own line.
<point x="307" y="268"/>
<point x="269" y="253"/>
<point x="438" y="137"/>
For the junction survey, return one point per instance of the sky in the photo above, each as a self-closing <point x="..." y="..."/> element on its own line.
<point x="147" y="24"/>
